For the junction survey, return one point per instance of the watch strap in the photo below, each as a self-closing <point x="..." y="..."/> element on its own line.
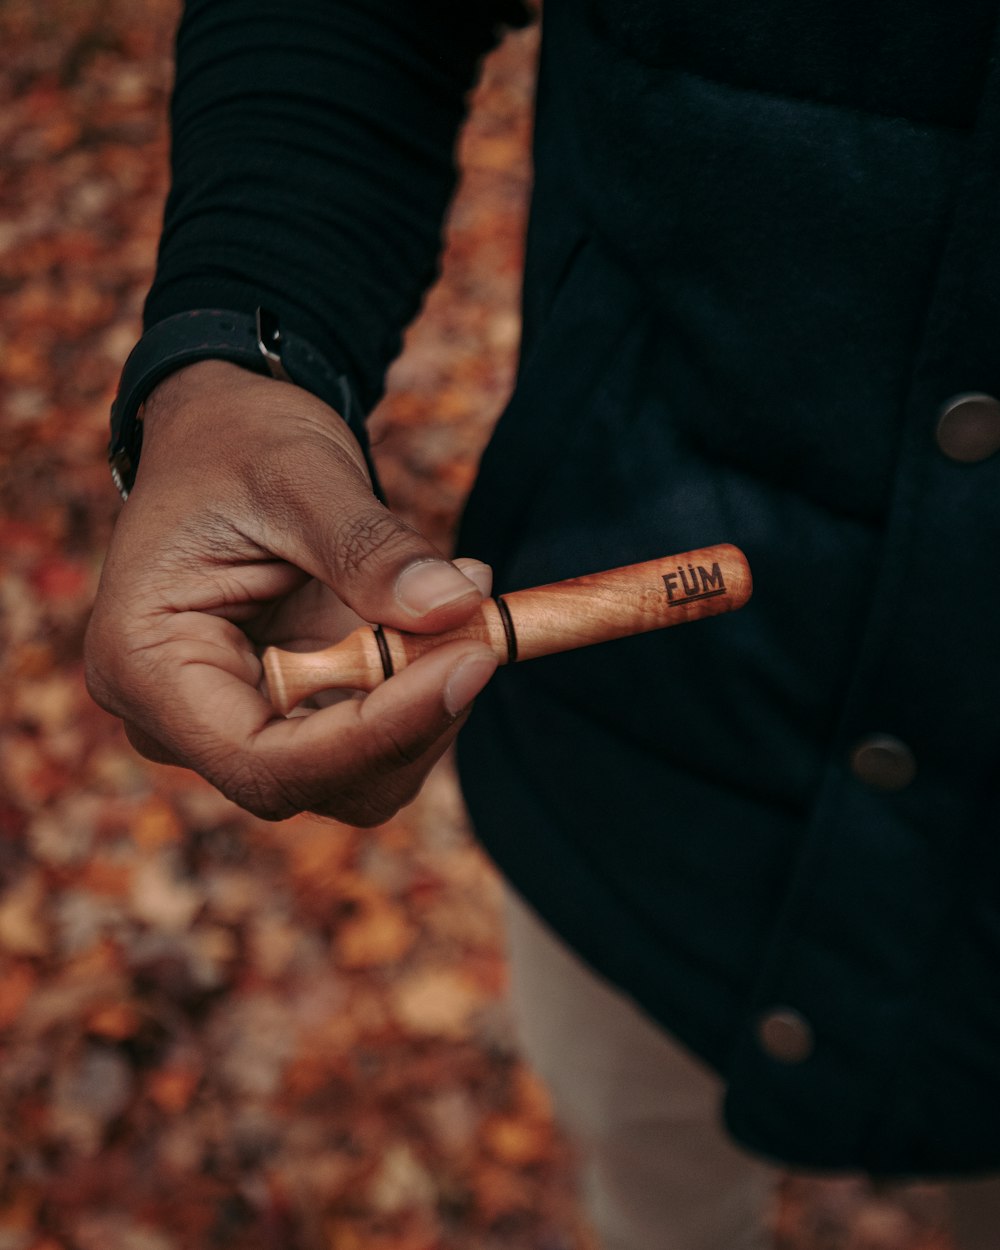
<point x="256" y="342"/>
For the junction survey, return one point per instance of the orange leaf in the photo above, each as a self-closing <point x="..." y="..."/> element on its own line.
<point x="16" y="985"/>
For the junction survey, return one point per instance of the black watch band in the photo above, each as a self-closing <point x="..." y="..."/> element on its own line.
<point x="256" y="343"/>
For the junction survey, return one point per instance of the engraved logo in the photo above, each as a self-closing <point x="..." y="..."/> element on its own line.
<point x="693" y="582"/>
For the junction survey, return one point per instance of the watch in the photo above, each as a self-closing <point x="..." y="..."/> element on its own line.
<point x="255" y="342"/>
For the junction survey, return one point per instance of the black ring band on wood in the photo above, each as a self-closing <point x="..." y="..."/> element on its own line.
<point x="383" y="650"/>
<point x="508" y="628"/>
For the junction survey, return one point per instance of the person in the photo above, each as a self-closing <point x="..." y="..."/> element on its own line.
<point x="754" y="864"/>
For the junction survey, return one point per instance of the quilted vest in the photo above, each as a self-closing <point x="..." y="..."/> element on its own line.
<point x="762" y="306"/>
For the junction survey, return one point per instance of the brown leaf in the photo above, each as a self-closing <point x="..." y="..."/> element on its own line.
<point x="87" y="1094"/>
<point x="17" y="981"/>
<point x="115" y="1021"/>
<point x="436" y="1002"/>
<point x="172" y="1088"/>
<point x="377" y="932"/>
<point x="23" y="930"/>
<point x="318" y="855"/>
<point x="156" y="825"/>
<point x="159" y="898"/>
<point x="401" y="1181"/>
<point x="516" y="1141"/>
<point x="18" y="1212"/>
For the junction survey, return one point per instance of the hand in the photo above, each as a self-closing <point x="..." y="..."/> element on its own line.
<point x="252" y="521"/>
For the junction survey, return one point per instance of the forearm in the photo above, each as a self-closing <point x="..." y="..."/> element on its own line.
<point x="313" y="161"/>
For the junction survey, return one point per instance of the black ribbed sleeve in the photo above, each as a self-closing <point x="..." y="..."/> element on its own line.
<point x="312" y="162"/>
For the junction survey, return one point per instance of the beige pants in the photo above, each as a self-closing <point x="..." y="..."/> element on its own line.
<point x="659" y="1170"/>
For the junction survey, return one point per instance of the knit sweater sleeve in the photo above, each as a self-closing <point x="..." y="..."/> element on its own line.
<point x="312" y="161"/>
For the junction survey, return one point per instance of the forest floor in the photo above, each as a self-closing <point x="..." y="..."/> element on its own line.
<point x="217" y="1033"/>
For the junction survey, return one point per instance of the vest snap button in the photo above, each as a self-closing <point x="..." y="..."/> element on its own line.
<point x="968" y="430"/>
<point x="785" y="1035"/>
<point x="883" y="762"/>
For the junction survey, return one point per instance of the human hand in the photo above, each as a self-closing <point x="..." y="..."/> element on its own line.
<point x="252" y="522"/>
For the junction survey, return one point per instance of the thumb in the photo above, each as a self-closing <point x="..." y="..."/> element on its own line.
<point x="377" y="564"/>
<point x="285" y="472"/>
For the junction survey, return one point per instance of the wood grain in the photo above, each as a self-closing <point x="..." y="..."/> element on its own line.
<point x="526" y="624"/>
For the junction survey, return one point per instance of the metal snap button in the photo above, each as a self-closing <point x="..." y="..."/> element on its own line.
<point x="968" y="430"/>
<point x="883" y="762"/>
<point x="785" y="1035"/>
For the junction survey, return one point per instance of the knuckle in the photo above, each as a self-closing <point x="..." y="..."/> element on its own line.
<point x="362" y="816"/>
<point x="374" y="535"/>
<point x="258" y="792"/>
<point x="96" y="680"/>
<point x="102" y="655"/>
<point x="146" y="745"/>
<point x="398" y="749"/>
<point x="364" y="804"/>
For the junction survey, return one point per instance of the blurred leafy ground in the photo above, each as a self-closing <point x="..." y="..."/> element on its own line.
<point x="214" y="1032"/>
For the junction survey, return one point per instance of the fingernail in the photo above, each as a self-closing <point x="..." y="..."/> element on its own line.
<point x="466" y="680"/>
<point x="477" y="572"/>
<point x="431" y="584"/>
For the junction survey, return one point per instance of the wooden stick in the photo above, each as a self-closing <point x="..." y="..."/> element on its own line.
<point x="530" y="623"/>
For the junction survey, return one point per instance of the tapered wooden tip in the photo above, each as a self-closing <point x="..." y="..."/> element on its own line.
<point x="354" y="663"/>
<point x="527" y="624"/>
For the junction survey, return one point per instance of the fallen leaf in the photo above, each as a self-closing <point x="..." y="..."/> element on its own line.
<point x="376" y="933"/>
<point x="87" y="1094"/>
<point x="17" y="981"/>
<point x="115" y="1021"/>
<point x="156" y="825"/>
<point x="401" y="1181"/>
<point x="516" y="1141"/>
<point x="23" y="930"/>
<point x="160" y="899"/>
<point x="172" y="1088"/>
<point x="436" y="1002"/>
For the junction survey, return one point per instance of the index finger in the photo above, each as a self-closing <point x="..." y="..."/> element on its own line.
<point x="363" y="756"/>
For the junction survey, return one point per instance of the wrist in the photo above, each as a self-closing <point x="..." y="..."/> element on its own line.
<point x="256" y="344"/>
